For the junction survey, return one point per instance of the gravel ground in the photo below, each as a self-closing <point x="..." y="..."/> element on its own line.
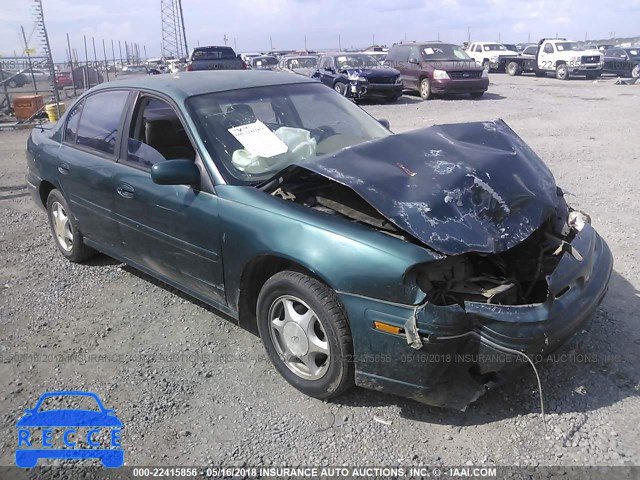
<point x="193" y="389"/>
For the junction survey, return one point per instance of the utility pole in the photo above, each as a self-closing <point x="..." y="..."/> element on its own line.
<point x="374" y="39"/>
<point x="225" y="39"/>
<point x="73" y="79"/>
<point x="469" y="35"/>
<point x="113" y="56"/>
<point x="271" y="43"/>
<point x="106" y="62"/>
<point x="498" y="37"/>
<point x="26" y="51"/>
<point x="305" y="43"/>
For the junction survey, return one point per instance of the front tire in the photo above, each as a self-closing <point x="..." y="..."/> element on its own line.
<point x="341" y="88"/>
<point x="65" y="233"/>
<point x="425" y="89"/>
<point x="562" y="72"/>
<point x="12" y="84"/>
<point x="635" y="73"/>
<point x="306" y="335"/>
<point x="486" y="65"/>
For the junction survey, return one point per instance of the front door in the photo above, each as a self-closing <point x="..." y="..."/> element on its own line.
<point x="172" y="231"/>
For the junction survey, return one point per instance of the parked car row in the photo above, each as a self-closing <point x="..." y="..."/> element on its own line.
<point x="559" y="56"/>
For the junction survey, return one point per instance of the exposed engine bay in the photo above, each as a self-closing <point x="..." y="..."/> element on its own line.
<point x="516" y="276"/>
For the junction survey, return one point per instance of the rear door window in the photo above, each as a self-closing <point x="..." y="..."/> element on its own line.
<point x="100" y="122"/>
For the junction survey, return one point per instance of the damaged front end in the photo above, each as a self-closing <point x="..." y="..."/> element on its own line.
<point x="519" y="272"/>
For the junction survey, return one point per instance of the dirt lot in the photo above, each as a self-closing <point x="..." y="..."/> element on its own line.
<point x="193" y="389"/>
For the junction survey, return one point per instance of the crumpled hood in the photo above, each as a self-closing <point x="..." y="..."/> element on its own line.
<point x="470" y="187"/>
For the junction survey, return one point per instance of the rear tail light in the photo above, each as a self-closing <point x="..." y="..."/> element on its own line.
<point x="244" y="65"/>
<point x="189" y="68"/>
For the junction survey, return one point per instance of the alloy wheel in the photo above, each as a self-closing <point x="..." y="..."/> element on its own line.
<point x="62" y="227"/>
<point x="299" y="337"/>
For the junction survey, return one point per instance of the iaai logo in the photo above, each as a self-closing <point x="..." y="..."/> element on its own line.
<point x="83" y="433"/>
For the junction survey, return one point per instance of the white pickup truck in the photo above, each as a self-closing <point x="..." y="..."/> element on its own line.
<point x="565" y="57"/>
<point x="488" y="54"/>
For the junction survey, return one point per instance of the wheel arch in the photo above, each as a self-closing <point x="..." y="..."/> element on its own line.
<point x="44" y="189"/>
<point x="255" y="273"/>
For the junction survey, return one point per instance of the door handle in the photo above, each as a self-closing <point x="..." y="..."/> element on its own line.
<point x="63" y="168"/>
<point x="125" y="190"/>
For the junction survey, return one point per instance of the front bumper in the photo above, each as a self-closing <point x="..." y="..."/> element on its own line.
<point x="359" y="90"/>
<point x="461" y="351"/>
<point x="587" y="67"/>
<point x="460" y="86"/>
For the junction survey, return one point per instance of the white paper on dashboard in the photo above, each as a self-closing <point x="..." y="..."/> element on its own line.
<point x="259" y="140"/>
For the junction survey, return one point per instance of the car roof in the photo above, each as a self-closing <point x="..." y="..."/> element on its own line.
<point x="187" y="84"/>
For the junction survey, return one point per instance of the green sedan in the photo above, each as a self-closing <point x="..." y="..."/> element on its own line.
<point x="427" y="264"/>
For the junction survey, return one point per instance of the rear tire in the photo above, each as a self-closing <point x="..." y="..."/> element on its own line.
<point x="306" y="335"/>
<point x="486" y="65"/>
<point x="64" y="230"/>
<point x="514" y="69"/>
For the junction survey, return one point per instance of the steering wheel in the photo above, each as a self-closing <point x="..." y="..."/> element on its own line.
<point x="322" y="132"/>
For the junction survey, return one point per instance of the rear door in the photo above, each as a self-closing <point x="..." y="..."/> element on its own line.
<point x="171" y="231"/>
<point x="398" y="58"/>
<point x="86" y="157"/>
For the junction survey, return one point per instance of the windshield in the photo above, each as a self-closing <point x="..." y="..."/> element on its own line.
<point x="567" y="46"/>
<point x="302" y="62"/>
<point x="213" y="53"/>
<point x="444" y="52"/>
<point x="254" y="133"/>
<point x="344" y="62"/>
<point x="264" y="61"/>
<point x="634" y="52"/>
<point x="508" y="46"/>
<point x="493" y="46"/>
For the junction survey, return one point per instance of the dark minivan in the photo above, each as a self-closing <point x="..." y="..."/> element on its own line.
<point x="437" y="68"/>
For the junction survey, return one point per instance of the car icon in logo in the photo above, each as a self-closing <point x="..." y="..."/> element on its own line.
<point x="69" y="420"/>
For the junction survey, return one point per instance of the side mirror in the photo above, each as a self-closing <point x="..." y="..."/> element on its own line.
<point x="328" y="69"/>
<point x="175" y="172"/>
<point x="414" y="61"/>
<point x="385" y="123"/>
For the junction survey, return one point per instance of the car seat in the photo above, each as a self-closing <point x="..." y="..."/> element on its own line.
<point x="166" y="138"/>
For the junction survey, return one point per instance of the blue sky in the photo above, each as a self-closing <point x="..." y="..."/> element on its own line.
<point x="252" y="22"/>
